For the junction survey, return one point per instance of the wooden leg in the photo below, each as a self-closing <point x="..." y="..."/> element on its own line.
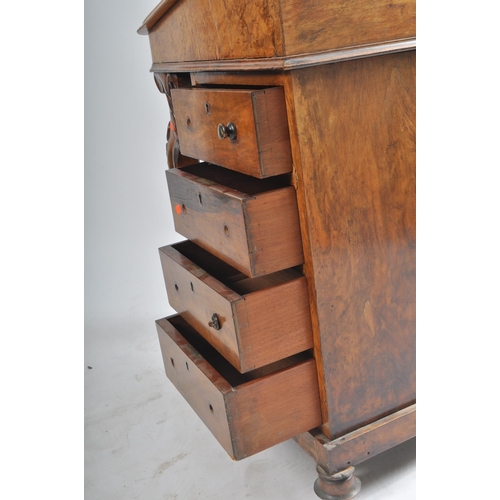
<point x="341" y="485"/>
<point x="336" y="458"/>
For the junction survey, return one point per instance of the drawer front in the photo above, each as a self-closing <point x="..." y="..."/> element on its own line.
<point x="251" y="321"/>
<point x="246" y="413"/>
<point x="252" y="224"/>
<point x="244" y="130"/>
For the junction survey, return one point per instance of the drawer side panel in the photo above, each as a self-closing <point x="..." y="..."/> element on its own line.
<point x="200" y="385"/>
<point x="192" y="296"/>
<point x="210" y="218"/>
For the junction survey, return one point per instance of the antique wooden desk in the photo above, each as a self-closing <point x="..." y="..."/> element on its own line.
<point x="291" y="154"/>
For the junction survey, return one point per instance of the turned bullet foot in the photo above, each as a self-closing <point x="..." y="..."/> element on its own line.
<point x="341" y="485"/>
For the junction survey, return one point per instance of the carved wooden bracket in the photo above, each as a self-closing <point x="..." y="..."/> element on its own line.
<point x="165" y="83"/>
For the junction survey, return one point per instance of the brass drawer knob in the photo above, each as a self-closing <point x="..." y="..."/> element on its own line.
<point x="214" y="323"/>
<point x="228" y="130"/>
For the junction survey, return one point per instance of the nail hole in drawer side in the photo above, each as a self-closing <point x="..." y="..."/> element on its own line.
<point x="246" y="413"/>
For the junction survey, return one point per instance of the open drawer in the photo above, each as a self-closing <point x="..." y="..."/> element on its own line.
<point x="246" y="413"/>
<point x="251" y="321"/>
<point x="252" y="224"/>
<point x="240" y="129"/>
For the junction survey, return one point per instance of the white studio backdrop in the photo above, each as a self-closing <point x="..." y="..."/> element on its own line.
<point x="127" y="210"/>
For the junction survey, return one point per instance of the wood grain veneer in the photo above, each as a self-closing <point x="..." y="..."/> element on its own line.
<point x="355" y="158"/>
<point x="310" y="26"/>
<point x="269" y="30"/>
<point x="211" y="30"/>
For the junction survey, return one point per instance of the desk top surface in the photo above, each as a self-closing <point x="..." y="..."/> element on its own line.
<point x="275" y="34"/>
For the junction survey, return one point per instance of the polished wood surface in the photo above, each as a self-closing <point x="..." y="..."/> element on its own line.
<point x="342" y="485"/>
<point x="312" y="26"/>
<point x="267" y="30"/>
<point x="252" y="224"/>
<point x="262" y="144"/>
<point x="262" y="320"/>
<point x="295" y="145"/>
<point x="155" y="15"/>
<point x="246" y="413"/>
<point x="208" y="30"/>
<point x="355" y="160"/>
<point x="288" y="63"/>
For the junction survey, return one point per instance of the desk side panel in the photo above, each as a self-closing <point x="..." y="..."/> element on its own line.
<point x="355" y="159"/>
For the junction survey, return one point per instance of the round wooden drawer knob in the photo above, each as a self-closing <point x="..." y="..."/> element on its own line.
<point x="215" y="323"/>
<point x="228" y="130"/>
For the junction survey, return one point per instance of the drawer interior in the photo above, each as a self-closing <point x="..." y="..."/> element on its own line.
<point x="228" y="275"/>
<point x="223" y="367"/>
<point x="235" y="180"/>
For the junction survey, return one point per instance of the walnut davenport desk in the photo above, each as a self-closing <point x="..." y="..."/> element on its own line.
<point x="291" y="155"/>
